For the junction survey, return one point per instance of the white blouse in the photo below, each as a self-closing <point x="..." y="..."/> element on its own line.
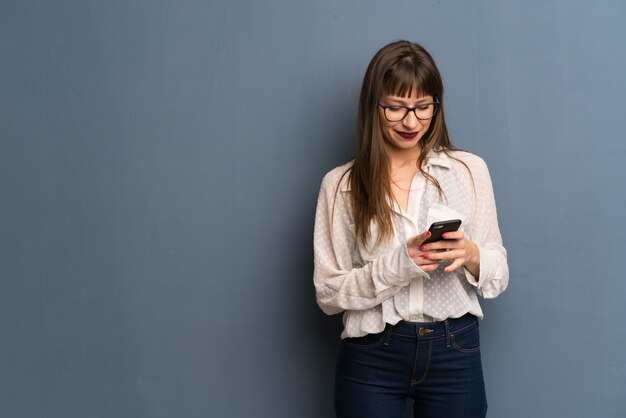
<point x="383" y="285"/>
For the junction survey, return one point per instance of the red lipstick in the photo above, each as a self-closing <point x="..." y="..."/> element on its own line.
<point x="407" y="135"/>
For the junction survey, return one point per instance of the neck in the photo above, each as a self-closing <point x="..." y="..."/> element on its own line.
<point x="402" y="157"/>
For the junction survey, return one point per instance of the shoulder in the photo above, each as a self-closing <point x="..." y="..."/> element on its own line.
<point x="337" y="175"/>
<point x="464" y="160"/>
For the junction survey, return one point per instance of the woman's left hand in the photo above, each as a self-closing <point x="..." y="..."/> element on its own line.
<point x="456" y="248"/>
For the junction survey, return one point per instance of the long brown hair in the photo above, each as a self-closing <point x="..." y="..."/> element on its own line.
<point x="397" y="68"/>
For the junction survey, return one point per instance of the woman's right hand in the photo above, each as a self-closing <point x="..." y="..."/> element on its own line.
<point x="413" y="248"/>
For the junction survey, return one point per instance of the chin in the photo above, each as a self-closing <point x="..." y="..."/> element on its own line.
<point x="404" y="144"/>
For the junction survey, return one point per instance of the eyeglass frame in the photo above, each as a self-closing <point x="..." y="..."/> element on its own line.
<point x="410" y="109"/>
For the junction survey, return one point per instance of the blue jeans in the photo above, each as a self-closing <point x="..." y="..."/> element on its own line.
<point x="436" y="364"/>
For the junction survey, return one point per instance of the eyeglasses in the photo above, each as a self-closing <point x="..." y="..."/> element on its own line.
<point x="422" y="112"/>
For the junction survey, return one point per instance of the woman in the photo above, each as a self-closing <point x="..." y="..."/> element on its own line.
<point x="410" y="310"/>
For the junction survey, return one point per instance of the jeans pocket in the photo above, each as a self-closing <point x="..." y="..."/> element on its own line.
<point x="365" y="342"/>
<point x="466" y="340"/>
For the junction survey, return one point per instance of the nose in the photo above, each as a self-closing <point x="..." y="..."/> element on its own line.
<point x="410" y="122"/>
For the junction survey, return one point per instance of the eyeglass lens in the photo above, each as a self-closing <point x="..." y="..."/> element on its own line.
<point x="397" y="113"/>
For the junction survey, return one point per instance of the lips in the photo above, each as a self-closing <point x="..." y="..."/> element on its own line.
<point x="407" y="135"/>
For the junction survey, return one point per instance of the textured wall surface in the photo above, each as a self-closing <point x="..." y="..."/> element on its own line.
<point x="159" y="168"/>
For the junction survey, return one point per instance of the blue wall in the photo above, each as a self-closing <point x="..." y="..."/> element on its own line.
<point x="159" y="168"/>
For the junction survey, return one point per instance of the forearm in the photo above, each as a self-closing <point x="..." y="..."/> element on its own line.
<point x="361" y="288"/>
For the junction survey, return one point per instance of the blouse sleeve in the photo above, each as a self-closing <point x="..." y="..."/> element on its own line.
<point x="484" y="232"/>
<point x="339" y="284"/>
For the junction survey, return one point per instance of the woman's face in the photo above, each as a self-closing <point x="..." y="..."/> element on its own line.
<point x="406" y="133"/>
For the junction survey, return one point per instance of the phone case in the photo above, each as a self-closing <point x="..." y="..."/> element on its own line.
<point x="438" y="228"/>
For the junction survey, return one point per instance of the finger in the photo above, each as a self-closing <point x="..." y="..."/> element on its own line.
<point x="424" y="262"/>
<point x="445" y="255"/>
<point x="430" y="267"/>
<point x="414" y="252"/>
<point x="453" y="235"/>
<point x="443" y="245"/>
<point x="420" y="260"/>
<point x="455" y="265"/>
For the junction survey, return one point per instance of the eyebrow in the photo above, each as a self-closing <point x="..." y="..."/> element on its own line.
<point x="401" y="100"/>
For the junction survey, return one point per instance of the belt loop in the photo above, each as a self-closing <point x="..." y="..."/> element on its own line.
<point x="447" y="326"/>
<point x="387" y="336"/>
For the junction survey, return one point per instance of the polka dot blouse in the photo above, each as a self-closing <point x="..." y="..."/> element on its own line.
<point x="374" y="286"/>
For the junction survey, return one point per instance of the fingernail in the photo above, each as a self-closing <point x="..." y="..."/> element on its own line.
<point x="423" y="248"/>
<point x="427" y="233"/>
<point x="426" y="256"/>
<point x="443" y="235"/>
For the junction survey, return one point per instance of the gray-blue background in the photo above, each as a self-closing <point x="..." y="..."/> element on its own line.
<point x="159" y="168"/>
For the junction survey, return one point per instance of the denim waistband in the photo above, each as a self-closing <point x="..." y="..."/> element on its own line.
<point x="430" y="330"/>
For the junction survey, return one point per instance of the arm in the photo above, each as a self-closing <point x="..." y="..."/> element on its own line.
<point x="493" y="274"/>
<point x="479" y="251"/>
<point x="339" y="285"/>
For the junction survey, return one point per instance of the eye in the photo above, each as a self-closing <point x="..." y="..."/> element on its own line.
<point x="423" y="107"/>
<point x="394" y="108"/>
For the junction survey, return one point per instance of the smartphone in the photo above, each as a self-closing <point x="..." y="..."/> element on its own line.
<point x="438" y="228"/>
